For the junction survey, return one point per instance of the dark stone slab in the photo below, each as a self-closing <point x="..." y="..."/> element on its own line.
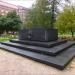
<point x="44" y="35"/>
<point x="41" y="44"/>
<point x="25" y="34"/>
<point x="50" y="51"/>
<point x="60" y="61"/>
<point x="38" y="34"/>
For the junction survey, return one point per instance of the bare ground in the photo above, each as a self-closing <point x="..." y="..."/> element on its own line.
<point x="12" y="64"/>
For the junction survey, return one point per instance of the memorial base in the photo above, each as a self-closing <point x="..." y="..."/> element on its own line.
<point x="39" y="34"/>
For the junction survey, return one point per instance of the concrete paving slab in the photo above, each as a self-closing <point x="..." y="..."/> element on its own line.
<point x="59" y="61"/>
<point x="42" y="44"/>
<point x="50" y="51"/>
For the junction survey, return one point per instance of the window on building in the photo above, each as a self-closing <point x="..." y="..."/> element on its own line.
<point x="6" y="11"/>
<point x="2" y="13"/>
<point x="2" y="10"/>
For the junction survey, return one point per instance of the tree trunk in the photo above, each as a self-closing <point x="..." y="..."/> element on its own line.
<point x="72" y="33"/>
<point x="53" y="13"/>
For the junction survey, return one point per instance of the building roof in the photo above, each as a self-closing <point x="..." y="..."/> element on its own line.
<point x="11" y="5"/>
<point x="8" y="5"/>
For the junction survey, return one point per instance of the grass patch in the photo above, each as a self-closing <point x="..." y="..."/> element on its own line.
<point x="7" y="37"/>
<point x="4" y="39"/>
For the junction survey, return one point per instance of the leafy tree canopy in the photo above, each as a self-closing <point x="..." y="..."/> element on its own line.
<point x="66" y="20"/>
<point x="10" y="22"/>
<point x="13" y="21"/>
<point x="43" y="14"/>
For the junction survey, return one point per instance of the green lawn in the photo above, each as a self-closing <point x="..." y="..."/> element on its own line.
<point x="4" y="38"/>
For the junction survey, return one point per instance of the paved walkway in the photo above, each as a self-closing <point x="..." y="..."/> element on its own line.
<point x="12" y="64"/>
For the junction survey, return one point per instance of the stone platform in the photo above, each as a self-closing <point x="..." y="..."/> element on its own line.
<point x="57" y="53"/>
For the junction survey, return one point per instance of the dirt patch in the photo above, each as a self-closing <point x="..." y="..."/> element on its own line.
<point x="12" y="64"/>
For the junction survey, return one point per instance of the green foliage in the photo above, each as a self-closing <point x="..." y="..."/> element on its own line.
<point x="13" y="21"/>
<point x="37" y="16"/>
<point x="3" y="20"/>
<point x="66" y="20"/>
<point x="43" y="14"/>
<point x="10" y="22"/>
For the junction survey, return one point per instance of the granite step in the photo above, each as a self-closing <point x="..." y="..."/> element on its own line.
<point x="49" y="51"/>
<point x="41" y="44"/>
<point x="60" y="61"/>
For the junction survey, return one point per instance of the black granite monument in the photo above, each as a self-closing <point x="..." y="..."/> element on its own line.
<point x="39" y="34"/>
<point x="42" y="45"/>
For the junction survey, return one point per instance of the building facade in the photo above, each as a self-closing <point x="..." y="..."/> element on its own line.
<point x="6" y="7"/>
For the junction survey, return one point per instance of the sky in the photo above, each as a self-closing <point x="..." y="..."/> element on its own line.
<point x="25" y="3"/>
